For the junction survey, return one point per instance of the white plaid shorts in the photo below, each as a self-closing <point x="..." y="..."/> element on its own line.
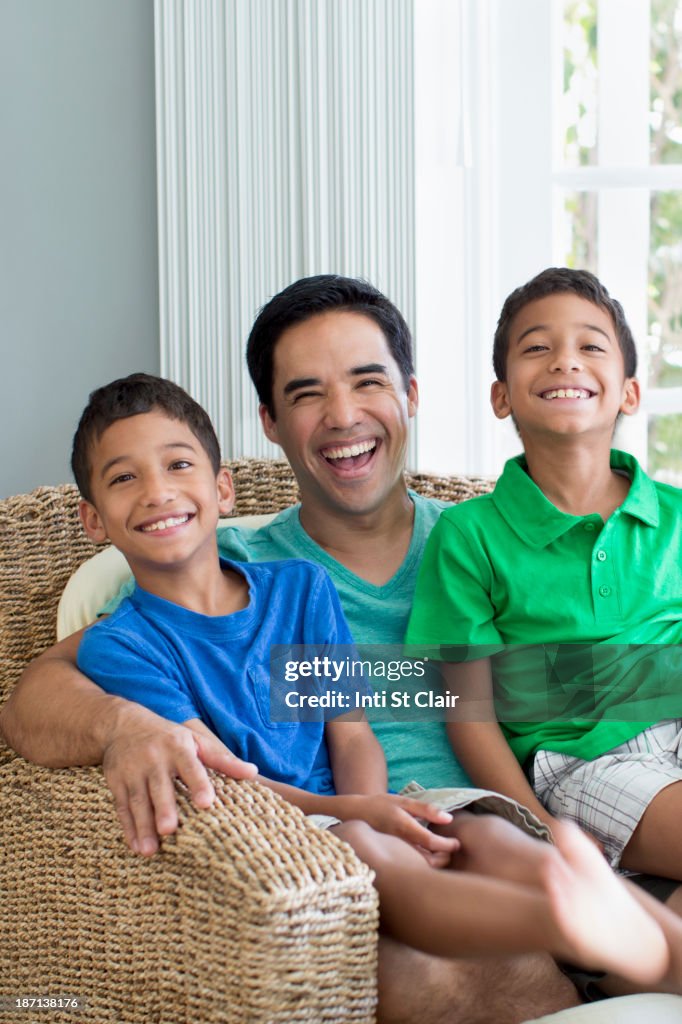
<point x="609" y="795"/>
<point x="477" y="801"/>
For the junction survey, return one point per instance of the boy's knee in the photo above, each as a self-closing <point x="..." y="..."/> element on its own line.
<point x="371" y="846"/>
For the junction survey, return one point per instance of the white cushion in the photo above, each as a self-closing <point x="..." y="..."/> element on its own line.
<point x="639" y="1009"/>
<point x="100" y="578"/>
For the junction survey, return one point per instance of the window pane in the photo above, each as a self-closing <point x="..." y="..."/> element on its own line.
<point x="666" y="81"/>
<point x="665" y="290"/>
<point x="578" y="245"/>
<point x="579" y="101"/>
<point x="665" y="449"/>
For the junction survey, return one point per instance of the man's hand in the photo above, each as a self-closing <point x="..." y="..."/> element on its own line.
<point x="141" y="762"/>
<point x="397" y="816"/>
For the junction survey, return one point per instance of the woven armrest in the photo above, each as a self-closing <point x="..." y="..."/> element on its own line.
<point x="249" y="913"/>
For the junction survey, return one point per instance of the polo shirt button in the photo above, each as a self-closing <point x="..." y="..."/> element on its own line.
<point x="604" y="591"/>
<point x="589" y="527"/>
<point x="601" y="555"/>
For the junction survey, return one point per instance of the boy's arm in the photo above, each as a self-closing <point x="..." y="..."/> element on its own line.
<point x="478" y="741"/>
<point x="57" y="717"/>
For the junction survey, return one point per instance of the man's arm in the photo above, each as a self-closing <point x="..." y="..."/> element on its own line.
<point x="58" y="717"/>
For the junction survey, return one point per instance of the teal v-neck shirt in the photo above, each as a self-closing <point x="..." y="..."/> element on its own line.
<point x="509" y="568"/>
<point x="376" y="615"/>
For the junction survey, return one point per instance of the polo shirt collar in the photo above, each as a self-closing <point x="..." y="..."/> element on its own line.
<point x="537" y="522"/>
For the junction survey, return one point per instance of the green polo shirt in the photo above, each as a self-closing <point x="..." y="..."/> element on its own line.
<point x="509" y="568"/>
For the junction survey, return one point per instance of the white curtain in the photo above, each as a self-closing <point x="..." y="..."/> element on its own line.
<point x="285" y="142"/>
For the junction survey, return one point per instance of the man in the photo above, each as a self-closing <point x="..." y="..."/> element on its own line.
<point x="332" y="362"/>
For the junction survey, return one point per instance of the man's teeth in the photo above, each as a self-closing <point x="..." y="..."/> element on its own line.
<point x="165" y="524"/>
<point x="346" y="453"/>
<point x="566" y="393"/>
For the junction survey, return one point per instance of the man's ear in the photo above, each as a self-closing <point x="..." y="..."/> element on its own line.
<point x="412" y="397"/>
<point x="269" y="425"/>
<point x="92" y="522"/>
<point x="499" y="399"/>
<point x="631" y="396"/>
<point x="226" y="494"/>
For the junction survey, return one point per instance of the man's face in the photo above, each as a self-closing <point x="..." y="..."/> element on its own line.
<point x="565" y="370"/>
<point x="341" y="412"/>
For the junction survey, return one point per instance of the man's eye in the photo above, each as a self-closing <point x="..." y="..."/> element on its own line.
<point x="305" y="394"/>
<point x="371" y="382"/>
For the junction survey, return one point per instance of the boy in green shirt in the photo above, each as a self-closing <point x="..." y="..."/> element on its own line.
<point x="575" y="546"/>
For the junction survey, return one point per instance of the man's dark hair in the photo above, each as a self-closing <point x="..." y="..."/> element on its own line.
<point x="309" y="297"/>
<point x="557" y="281"/>
<point x="131" y="396"/>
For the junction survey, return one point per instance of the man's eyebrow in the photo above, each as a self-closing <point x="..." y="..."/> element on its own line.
<point x="545" y="327"/>
<point x="124" y="458"/>
<point x="356" y="371"/>
<point x="301" y="382"/>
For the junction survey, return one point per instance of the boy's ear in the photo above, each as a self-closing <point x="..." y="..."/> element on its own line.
<point x="269" y="425"/>
<point x="631" y="396"/>
<point x="499" y="399"/>
<point x="226" y="495"/>
<point x="92" y="522"/>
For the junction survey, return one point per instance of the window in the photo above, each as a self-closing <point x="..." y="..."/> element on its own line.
<point x="568" y="120"/>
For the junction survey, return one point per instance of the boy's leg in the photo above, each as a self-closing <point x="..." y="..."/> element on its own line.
<point x="656" y="843"/>
<point x="494" y="847"/>
<point x="582" y="912"/>
<point x="628" y="798"/>
<point x="668" y="917"/>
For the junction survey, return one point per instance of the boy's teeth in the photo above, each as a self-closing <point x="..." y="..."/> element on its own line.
<point x="165" y="524"/>
<point x="567" y="393"/>
<point x="346" y="453"/>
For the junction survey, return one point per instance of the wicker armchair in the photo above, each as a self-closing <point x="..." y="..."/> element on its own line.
<point x="247" y="914"/>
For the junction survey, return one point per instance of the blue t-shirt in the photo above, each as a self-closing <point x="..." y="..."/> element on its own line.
<point x="376" y="614"/>
<point x="184" y="665"/>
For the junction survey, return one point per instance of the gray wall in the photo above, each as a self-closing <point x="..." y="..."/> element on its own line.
<point x="78" y="260"/>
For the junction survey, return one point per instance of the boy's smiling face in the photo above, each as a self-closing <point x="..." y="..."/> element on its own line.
<point x="565" y="370"/>
<point x="155" y="493"/>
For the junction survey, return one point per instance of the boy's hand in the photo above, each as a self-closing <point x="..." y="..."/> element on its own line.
<point x="397" y="816"/>
<point x="145" y="755"/>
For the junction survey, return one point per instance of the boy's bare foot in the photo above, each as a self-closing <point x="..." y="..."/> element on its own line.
<point x="600" y="923"/>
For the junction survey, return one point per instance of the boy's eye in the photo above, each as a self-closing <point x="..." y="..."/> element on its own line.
<point x="120" y="479"/>
<point x="180" y="464"/>
<point x="591" y="347"/>
<point x="536" y="348"/>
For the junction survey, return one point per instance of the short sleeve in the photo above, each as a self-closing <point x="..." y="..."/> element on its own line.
<point x="124" y="665"/>
<point x="452" y="605"/>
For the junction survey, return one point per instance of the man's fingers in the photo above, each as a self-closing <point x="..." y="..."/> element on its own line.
<point x="141" y="810"/>
<point x="215" y="755"/>
<point x="127" y="822"/>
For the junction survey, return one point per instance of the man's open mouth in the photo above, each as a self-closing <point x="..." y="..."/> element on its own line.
<point x="350" y="456"/>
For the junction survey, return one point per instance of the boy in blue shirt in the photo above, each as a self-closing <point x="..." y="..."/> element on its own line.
<point x="192" y="642"/>
<point x="576" y="546"/>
